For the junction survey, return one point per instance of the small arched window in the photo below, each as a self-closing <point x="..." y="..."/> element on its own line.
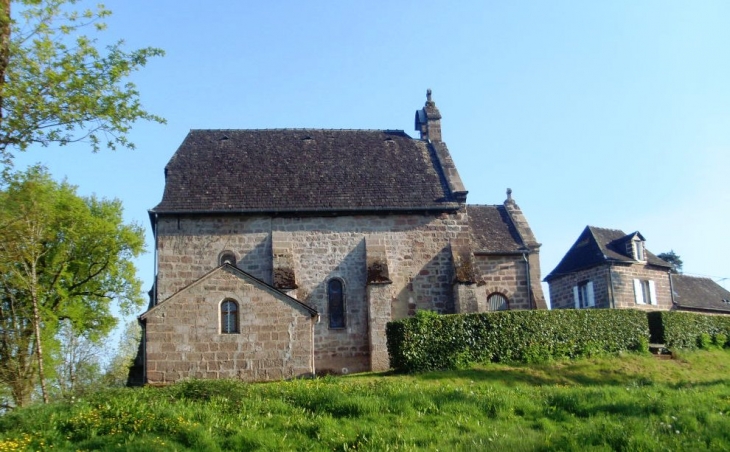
<point x="229" y="317"/>
<point x="497" y="302"/>
<point x="336" y="303"/>
<point x="227" y="257"/>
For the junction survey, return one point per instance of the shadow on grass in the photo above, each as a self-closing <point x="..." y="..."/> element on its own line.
<point x="588" y="373"/>
<point x="541" y="376"/>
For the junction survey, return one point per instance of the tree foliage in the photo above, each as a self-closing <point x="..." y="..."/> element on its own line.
<point x="672" y="258"/>
<point x="117" y="371"/>
<point x="57" y="85"/>
<point x="62" y="257"/>
<point x="78" y="363"/>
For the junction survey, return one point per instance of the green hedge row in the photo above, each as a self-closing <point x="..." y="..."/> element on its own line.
<point x="430" y="341"/>
<point x="686" y="329"/>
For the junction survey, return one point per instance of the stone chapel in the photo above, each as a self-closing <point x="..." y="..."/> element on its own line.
<point x="282" y="253"/>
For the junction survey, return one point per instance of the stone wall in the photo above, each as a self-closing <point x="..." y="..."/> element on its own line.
<point x="620" y="281"/>
<point x="561" y="289"/>
<point x="300" y="255"/>
<point x="183" y="334"/>
<point x="505" y="274"/>
<point x="623" y="284"/>
<point x="416" y="248"/>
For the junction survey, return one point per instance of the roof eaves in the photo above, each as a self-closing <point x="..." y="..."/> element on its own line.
<point x="519" y="252"/>
<point x="554" y="275"/>
<point x="446" y="206"/>
<point x="696" y="308"/>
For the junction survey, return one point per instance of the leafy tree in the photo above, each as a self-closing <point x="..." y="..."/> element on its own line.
<point x="62" y="257"/>
<point x="672" y="258"/>
<point x="117" y="372"/>
<point x="57" y="85"/>
<point x="78" y="368"/>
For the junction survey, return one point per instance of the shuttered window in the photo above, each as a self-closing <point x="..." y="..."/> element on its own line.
<point x="583" y="295"/>
<point x="645" y="291"/>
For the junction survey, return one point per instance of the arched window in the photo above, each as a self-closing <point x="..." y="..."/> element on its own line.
<point x="229" y="317"/>
<point x="227" y="257"/>
<point x="336" y="303"/>
<point x="497" y="302"/>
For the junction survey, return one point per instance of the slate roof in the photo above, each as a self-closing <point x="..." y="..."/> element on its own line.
<point x="699" y="294"/>
<point x="492" y="230"/>
<point x="596" y="246"/>
<point x="300" y="170"/>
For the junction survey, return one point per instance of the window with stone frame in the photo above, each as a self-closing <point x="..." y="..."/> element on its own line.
<point x="229" y="317"/>
<point x="336" y="303"/>
<point x="227" y="257"/>
<point x="645" y="291"/>
<point x="583" y="295"/>
<point x="497" y="302"/>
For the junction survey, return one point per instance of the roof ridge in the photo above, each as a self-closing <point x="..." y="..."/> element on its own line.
<point x="301" y="129"/>
<point x="607" y="229"/>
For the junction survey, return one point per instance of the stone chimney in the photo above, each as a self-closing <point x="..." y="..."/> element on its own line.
<point x="428" y="120"/>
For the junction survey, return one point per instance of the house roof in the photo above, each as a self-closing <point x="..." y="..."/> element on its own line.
<point x="596" y="246"/>
<point x="492" y="230"/>
<point x="701" y="294"/>
<point x="300" y="170"/>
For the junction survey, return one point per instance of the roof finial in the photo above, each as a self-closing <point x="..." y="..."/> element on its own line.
<point x="428" y="95"/>
<point x="509" y="194"/>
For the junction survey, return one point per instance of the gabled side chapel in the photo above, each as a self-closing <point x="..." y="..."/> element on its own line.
<point x="282" y="253"/>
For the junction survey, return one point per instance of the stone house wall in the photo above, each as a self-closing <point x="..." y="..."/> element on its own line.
<point x="623" y="284"/>
<point x="561" y="289"/>
<point x="184" y="340"/>
<point x="617" y="278"/>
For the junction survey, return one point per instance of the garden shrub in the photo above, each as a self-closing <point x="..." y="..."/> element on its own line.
<point x="679" y="330"/>
<point x="430" y="341"/>
<point x="720" y="340"/>
<point x="704" y="341"/>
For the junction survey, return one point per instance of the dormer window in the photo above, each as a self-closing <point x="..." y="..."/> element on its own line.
<point x="639" y="253"/>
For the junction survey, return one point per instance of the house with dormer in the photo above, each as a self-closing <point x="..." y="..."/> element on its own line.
<point x="285" y="252"/>
<point x="607" y="268"/>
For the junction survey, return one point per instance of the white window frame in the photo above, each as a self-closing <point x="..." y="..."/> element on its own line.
<point x="584" y="296"/>
<point x="645" y="289"/>
<point x="639" y="251"/>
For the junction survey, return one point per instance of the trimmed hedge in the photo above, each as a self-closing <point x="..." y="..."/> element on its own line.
<point x="678" y="329"/>
<point x="430" y="341"/>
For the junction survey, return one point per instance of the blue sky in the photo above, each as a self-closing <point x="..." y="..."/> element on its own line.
<point x="610" y="114"/>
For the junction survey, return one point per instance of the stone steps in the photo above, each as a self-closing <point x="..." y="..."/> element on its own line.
<point x="660" y="351"/>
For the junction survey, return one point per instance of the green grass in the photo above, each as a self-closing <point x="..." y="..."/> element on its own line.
<point x="633" y="402"/>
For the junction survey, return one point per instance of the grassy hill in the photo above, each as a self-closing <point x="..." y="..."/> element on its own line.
<point x="633" y="402"/>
